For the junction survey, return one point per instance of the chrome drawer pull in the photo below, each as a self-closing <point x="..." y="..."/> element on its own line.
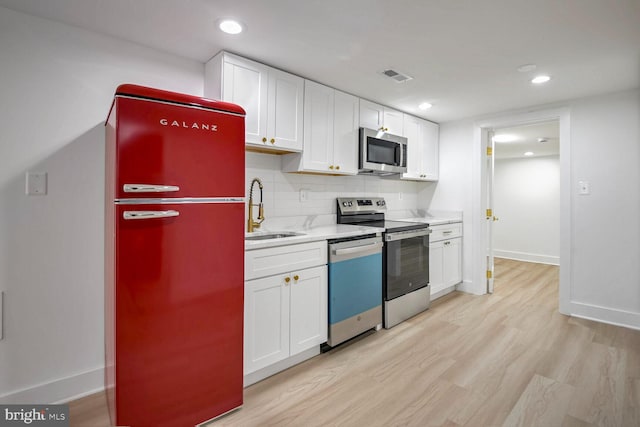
<point x="149" y="214"/>
<point x="149" y="188"/>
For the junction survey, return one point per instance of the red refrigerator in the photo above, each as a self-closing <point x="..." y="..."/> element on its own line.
<point x="174" y="257"/>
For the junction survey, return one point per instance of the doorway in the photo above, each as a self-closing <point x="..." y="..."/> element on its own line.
<point x="482" y="265"/>
<point x="524" y="195"/>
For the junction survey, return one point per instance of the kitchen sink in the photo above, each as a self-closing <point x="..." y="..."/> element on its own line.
<point x="272" y="235"/>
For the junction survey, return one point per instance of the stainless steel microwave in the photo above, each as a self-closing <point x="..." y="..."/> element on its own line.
<point x="382" y="153"/>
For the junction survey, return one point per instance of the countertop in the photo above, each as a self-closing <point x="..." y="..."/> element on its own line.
<point x="314" y="234"/>
<point x="437" y="219"/>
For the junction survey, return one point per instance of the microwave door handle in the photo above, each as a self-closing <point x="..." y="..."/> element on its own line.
<point x="401" y="155"/>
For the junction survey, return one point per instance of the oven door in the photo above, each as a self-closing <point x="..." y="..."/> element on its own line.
<point x="406" y="262"/>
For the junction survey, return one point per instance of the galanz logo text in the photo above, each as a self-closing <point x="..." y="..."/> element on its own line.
<point x="189" y="125"/>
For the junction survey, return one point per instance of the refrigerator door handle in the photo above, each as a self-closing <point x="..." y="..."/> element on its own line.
<point x="149" y="214"/>
<point x="149" y="188"/>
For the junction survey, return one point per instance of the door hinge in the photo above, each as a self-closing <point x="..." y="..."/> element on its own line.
<point x="489" y="213"/>
<point x="489" y="274"/>
<point x="489" y="151"/>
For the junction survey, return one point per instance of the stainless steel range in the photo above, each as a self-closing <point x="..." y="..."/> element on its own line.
<point x="405" y="266"/>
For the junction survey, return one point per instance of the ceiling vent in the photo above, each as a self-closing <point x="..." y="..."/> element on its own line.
<point x="397" y="76"/>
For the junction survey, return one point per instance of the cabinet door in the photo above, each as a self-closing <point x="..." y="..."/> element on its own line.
<point x="245" y="83"/>
<point x="436" y="264"/>
<point x="371" y="115"/>
<point x="411" y="131"/>
<point x="318" y="127"/>
<point x="452" y="262"/>
<point x="345" y="133"/>
<point x="284" y="119"/>
<point x="308" y="308"/>
<point x="393" y="121"/>
<point x="430" y="134"/>
<point x="266" y="322"/>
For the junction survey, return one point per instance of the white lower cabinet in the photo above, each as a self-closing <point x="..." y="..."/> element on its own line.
<point x="285" y="314"/>
<point x="445" y="257"/>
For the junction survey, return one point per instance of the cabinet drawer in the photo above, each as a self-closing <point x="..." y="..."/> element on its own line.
<point x="445" y="231"/>
<point x="282" y="259"/>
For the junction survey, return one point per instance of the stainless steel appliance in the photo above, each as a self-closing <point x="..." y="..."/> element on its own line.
<point x="405" y="270"/>
<point x="382" y="153"/>
<point x="355" y="287"/>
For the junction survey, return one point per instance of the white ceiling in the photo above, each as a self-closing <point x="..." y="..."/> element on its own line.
<point x="463" y="54"/>
<point x="526" y="139"/>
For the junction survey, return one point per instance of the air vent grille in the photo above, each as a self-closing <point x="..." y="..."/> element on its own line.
<point x="396" y="76"/>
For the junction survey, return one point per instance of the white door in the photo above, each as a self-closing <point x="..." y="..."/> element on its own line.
<point x="318" y="127"/>
<point x="266" y="321"/>
<point x="489" y="213"/>
<point x="345" y="133"/>
<point x="245" y="83"/>
<point x="393" y="121"/>
<point x="452" y="264"/>
<point x="284" y="121"/>
<point x="308" y="308"/>
<point x="371" y="115"/>
<point x="430" y="136"/>
<point x="436" y="263"/>
<point x="411" y="131"/>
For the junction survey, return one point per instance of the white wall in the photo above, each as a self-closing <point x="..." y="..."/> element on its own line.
<point x="605" y="226"/>
<point x="453" y="192"/>
<point x="527" y="202"/>
<point x="56" y="89"/>
<point x="281" y="194"/>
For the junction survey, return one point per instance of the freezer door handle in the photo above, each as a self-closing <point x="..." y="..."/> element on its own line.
<point x="149" y="188"/>
<point x="149" y="214"/>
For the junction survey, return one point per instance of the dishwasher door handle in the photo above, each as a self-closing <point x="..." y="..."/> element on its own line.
<point x="364" y="250"/>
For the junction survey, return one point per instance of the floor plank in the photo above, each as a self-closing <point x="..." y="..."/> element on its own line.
<point x="507" y="359"/>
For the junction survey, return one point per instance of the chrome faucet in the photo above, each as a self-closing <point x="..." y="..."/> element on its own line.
<point x="251" y="224"/>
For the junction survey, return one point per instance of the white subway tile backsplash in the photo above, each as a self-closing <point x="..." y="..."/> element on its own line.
<point x="281" y="193"/>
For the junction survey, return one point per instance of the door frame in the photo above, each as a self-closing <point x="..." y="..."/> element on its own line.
<point x="481" y="130"/>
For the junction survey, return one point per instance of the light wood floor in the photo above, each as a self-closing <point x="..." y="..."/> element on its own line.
<point x="508" y="359"/>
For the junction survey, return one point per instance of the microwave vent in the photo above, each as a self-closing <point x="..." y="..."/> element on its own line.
<point x="397" y="76"/>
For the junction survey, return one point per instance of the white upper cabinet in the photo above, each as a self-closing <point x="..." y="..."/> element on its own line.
<point x="376" y="116"/>
<point x="272" y="99"/>
<point x="422" y="149"/>
<point x="330" y="133"/>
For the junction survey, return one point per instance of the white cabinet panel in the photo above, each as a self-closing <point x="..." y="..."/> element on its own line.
<point x="452" y="261"/>
<point x="393" y="121"/>
<point x="345" y="133"/>
<point x="371" y="115"/>
<point x="414" y="147"/>
<point x="308" y="308"/>
<point x="271" y="98"/>
<point x="445" y="256"/>
<point x="436" y="267"/>
<point x="281" y="259"/>
<point x="266" y="322"/>
<point x="330" y="133"/>
<point x="422" y="150"/>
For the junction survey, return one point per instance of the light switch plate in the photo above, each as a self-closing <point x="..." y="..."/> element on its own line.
<point x="36" y="183"/>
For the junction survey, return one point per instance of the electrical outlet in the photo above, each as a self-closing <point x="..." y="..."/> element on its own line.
<point x="400" y="195"/>
<point x="304" y="194"/>
<point x="36" y="183"/>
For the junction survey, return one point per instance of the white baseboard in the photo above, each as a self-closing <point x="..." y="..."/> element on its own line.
<point x="468" y="287"/>
<point x="528" y="257"/>
<point x="59" y="391"/>
<point x="625" y="319"/>
<point x="263" y="373"/>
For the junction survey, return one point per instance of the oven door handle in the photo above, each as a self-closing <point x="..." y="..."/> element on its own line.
<point x="391" y="237"/>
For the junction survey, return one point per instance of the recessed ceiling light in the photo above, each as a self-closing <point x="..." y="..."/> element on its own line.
<point x="230" y="26"/>
<point x="504" y="137"/>
<point x="425" y="106"/>
<point x="529" y="153"/>
<point x="526" y="68"/>
<point x="540" y="79"/>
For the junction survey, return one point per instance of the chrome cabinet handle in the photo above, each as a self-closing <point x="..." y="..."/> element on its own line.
<point x="149" y="188"/>
<point x="149" y="214"/>
<point x="447" y="232"/>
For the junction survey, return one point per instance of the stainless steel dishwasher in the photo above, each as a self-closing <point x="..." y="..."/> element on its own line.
<point x="355" y="287"/>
